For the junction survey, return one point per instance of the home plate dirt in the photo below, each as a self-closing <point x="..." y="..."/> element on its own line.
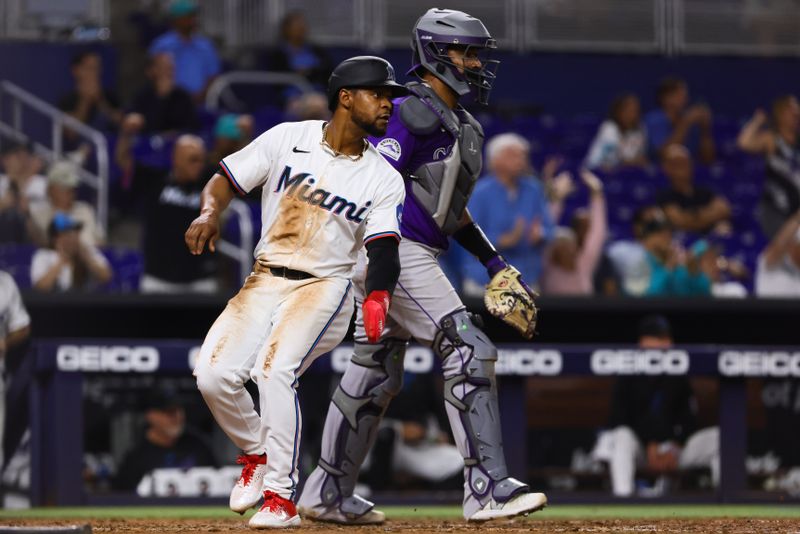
<point x="434" y="526"/>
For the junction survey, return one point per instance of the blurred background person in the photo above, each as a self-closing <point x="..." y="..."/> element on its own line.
<point x="166" y="442"/>
<point x="510" y="206"/>
<point x="725" y="274"/>
<point x="68" y="264"/>
<point x="294" y="53"/>
<point x="89" y="101"/>
<point x="62" y="193"/>
<point x="21" y="170"/>
<point x="778" y="270"/>
<point x="653" y="422"/>
<point x="621" y="139"/>
<point x="164" y="106"/>
<point x="232" y="132"/>
<point x="674" y="122"/>
<point x="569" y="265"/>
<point x="309" y="106"/>
<point x="779" y="145"/>
<point x="169" y="200"/>
<point x="653" y="265"/>
<point x="689" y="207"/>
<point x="195" y="56"/>
<point x="606" y="279"/>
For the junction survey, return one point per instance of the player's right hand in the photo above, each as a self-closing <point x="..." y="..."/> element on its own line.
<point x="374" y="309"/>
<point x="204" y="228"/>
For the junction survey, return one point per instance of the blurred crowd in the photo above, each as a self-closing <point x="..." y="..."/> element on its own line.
<point x="557" y="223"/>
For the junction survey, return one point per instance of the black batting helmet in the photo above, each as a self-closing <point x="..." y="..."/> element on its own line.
<point x="362" y="71"/>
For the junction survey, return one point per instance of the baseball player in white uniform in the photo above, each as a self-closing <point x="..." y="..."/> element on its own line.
<point x="14" y="329"/>
<point x="326" y="193"/>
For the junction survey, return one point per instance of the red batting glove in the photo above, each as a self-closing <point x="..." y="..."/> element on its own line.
<point x="375" y="307"/>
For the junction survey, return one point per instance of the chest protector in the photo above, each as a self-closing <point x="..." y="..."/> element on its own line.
<point x="443" y="187"/>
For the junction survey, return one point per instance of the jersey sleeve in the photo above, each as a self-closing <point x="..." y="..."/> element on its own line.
<point x="397" y="144"/>
<point x="18" y="317"/>
<point x="383" y="220"/>
<point x="249" y="167"/>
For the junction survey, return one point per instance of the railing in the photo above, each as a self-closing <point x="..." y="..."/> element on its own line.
<point x="39" y="19"/>
<point x="646" y="26"/>
<point x="219" y="90"/>
<point x="243" y="252"/>
<point x="17" y="98"/>
<point x="14" y="128"/>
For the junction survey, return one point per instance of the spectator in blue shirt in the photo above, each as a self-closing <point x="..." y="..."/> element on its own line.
<point x="510" y="206"/>
<point x="295" y="53"/>
<point x="196" y="60"/>
<point x="675" y="122"/>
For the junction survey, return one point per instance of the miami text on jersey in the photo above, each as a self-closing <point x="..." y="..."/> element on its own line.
<point x="294" y="186"/>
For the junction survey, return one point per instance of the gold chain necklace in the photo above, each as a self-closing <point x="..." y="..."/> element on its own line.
<point x="335" y="152"/>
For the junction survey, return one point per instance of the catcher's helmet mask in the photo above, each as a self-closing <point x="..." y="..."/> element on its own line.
<point x="439" y="30"/>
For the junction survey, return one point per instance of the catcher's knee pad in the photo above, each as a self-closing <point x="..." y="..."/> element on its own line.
<point x="373" y="378"/>
<point x="470" y="387"/>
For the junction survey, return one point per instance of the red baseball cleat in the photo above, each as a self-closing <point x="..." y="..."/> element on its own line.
<point x="276" y="512"/>
<point x="247" y="491"/>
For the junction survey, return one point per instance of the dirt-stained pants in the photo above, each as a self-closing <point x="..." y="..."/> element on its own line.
<point x="270" y="332"/>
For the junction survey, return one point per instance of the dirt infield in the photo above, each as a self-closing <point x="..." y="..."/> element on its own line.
<point x="433" y="526"/>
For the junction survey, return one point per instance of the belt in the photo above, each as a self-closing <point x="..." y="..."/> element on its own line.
<point x="289" y="274"/>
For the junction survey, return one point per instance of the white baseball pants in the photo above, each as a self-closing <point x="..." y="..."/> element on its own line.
<point x="270" y="332"/>
<point x="623" y="451"/>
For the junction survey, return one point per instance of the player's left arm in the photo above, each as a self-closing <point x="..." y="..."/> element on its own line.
<point x="383" y="269"/>
<point x="507" y="297"/>
<point x="471" y="237"/>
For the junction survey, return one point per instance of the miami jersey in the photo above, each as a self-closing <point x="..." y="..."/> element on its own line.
<point x="317" y="209"/>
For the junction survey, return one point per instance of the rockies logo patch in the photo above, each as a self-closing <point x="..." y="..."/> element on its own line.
<point x="390" y="147"/>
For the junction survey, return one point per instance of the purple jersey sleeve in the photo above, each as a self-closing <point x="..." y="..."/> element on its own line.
<point x="398" y="143"/>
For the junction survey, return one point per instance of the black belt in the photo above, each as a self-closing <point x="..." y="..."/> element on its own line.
<point x="290" y="274"/>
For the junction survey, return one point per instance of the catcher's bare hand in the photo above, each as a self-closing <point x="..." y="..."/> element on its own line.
<point x="204" y="228"/>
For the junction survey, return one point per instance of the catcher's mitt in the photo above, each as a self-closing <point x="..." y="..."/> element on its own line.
<point x="509" y="298"/>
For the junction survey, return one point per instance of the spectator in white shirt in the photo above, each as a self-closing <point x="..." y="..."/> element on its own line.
<point x="62" y="189"/>
<point x="70" y="264"/>
<point x="621" y="140"/>
<point x="778" y="269"/>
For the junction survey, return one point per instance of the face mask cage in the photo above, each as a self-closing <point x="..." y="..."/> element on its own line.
<point x="480" y="79"/>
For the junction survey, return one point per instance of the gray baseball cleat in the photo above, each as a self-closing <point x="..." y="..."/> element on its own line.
<point x="522" y="504"/>
<point x="334" y="514"/>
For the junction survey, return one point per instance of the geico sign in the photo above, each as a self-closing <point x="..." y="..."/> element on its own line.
<point x="640" y="362"/>
<point x="528" y="362"/>
<point x="116" y="359"/>
<point x="759" y="363"/>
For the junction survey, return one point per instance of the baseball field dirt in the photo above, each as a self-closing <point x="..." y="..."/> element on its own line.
<point x="561" y="520"/>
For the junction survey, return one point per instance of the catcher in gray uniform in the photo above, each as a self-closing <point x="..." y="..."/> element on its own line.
<point x="437" y="146"/>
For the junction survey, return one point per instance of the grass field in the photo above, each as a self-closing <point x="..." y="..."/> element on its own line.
<point x="613" y="511"/>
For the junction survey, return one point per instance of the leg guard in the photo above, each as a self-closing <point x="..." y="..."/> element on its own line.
<point x="470" y="393"/>
<point x="373" y="378"/>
